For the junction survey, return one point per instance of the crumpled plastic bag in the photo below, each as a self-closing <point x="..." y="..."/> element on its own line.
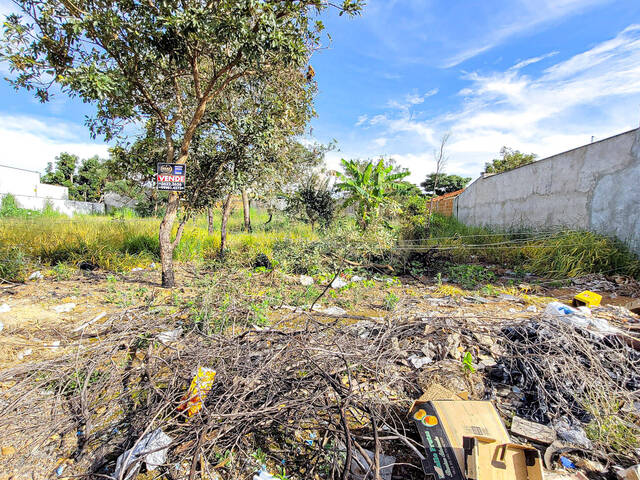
<point x="156" y="443"/>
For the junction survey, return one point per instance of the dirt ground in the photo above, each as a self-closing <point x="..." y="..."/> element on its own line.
<point x="49" y="319"/>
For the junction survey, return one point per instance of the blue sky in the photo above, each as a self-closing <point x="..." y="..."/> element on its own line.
<point x="541" y="76"/>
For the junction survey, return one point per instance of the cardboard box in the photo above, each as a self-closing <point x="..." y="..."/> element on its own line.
<point x="455" y="431"/>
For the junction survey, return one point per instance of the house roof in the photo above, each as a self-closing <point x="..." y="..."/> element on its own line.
<point x="448" y="195"/>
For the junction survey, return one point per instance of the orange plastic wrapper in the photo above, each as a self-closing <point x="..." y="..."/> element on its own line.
<point x="198" y="390"/>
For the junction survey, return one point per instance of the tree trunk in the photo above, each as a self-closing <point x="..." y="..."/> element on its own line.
<point x="210" y="219"/>
<point x="166" y="245"/>
<point x="270" y="218"/>
<point x="247" y="211"/>
<point x="226" y="210"/>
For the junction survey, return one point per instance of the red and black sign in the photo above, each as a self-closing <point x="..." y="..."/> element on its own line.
<point x="171" y="177"/>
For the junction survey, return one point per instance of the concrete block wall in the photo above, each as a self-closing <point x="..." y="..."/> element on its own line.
<point x="594" y="187"/>
<point x="68" y="207"/>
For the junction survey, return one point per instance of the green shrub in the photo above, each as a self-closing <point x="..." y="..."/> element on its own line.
<point x="470" y="276"/>
<point x="13" y="264"/>
<point x="143" y="243"/>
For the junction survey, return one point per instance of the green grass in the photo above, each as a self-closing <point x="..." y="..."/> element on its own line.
<point x="119" y="244"/>
<point x="558" y="254"/>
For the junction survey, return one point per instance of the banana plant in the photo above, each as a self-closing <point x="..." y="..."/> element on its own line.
<point x="370" y="187"/>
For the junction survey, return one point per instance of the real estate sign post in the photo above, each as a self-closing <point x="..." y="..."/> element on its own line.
<point x="171" y="177"/>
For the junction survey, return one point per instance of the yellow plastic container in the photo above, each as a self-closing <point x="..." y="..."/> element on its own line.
<point x="587" y="299"/>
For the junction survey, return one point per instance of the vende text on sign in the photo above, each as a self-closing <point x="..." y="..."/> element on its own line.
<point x="171" y="177"/>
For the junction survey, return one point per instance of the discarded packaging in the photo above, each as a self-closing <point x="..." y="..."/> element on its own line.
<point x="36" y="275"/>
<point x="4" y="308"/>
<point x="306" y="280"/>
<point x="536" y="432"/>
<point x="419" y="362"/>
<point x="358" y="462"/>
<point x="576" y="318"/>
<point x="587" y="299"/>
<point x="338" y="283"/>
<point x="468" y="436"/>
<point x="572" y="434"/>
<point x="631" y="473"/>
<point x="156" y="443"/>
<point x="65" y="307"/>
<point x="634" y="307"/>
<point x="334" y="310"/>
<point x="25" y="353"/>
<point x="169" y="335"/>
<point x="264" y="475"/>
<point x="566" y="463"/>
<point x="198" y="390"/>
<point x="1" y="326"/>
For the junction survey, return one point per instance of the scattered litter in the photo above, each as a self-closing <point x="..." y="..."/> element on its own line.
<point x="8" y="451"/>
<point x="513" y="310"/>
<point x="386" y="465"/>
<point x="334" y="310"/>
<point x="577" y="318"/>
<point x="55" y="344"/>
<point x="532" y="308"/>
<point x="60" y="469"/>
<point x="631" y="473"/>
<point x="587" y="299"/>
<point x="306" y="280"/>
<point x="1" y="326"/>
<point x="198" y="390"/>
<point x="36" y="275"/>
<point x="137" y="269"/>
<point x="264" y="475"/>
<point x="152" y="266"/>
<point x="419" y="362"/>
<point x="358" y="278"/>
<point x="467" y="436"/>
<point x="86" y="324"/>
<point x="64" y="308"/>
<point x="169" y="335"/>
<point x="4" y="308"/>
<point x="24" y="353"/>
<point x="634" y="306"/>
<point x="87" y="266"/>
<point x="338" y="283"/>
<point x="572" y="433"/>
<point x="535" y="432"/>
<point x="156" y="443"/>
<point x="566" y="463"/>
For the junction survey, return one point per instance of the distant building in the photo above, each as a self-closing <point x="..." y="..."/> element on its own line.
<point x="444" y="203"/>
<point x="30" y="193"/>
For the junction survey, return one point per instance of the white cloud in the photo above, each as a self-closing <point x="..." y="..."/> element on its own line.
<point x="30" y="142"/>
<point x="361" y="120"/>
<point x="530" y="61"/>
<point x="524" y="16"/>
<point x="595" y="92"/>
<point x="381" y="142"/>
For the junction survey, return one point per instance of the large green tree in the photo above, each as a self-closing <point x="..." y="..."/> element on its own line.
<point x="439" y="184"/>
<point x="509" y="160"/>
<point x="166" y="61"/>
<point x="85" y="179"/>
<point x="370" y="186"/>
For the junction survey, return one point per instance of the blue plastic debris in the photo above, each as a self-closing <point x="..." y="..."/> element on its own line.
<point x="566" y="463"/>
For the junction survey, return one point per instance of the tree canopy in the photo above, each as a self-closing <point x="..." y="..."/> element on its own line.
<point x="85" y="179"/>
<point x="164" y="62"/>
<point x="510" y="159"/>
<point x="444" y="184"/>
<point x="370" y="186"/>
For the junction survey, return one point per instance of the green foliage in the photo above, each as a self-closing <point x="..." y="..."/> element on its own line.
<point x="85" y="179"/>
<point x="13" y="264"/>
<point x="445" y="183"/>
<point x="142" y="244"/>
<point x="470" y="276"/>
<point x="390" y="301"/>
<point x="510" y="159"/>
<point x="313" y="202"/>
<point x="370" y="186"/>
<point x="467" y="363"/>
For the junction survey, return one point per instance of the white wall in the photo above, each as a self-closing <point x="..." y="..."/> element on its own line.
<point x="594" y="187"/>
<point x="59" y="192"/>
<point x="68" y="207"/>
<point x="18" y="181"/>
